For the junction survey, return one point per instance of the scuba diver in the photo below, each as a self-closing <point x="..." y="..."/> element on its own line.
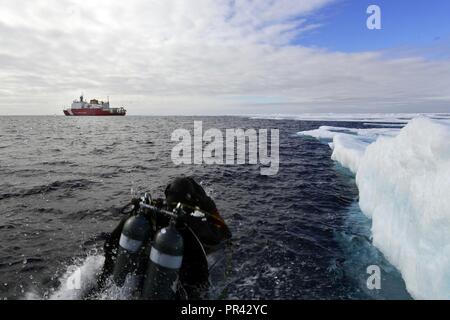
<point x="202" y="229"/>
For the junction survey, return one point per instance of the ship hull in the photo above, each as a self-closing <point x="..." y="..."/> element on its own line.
<point x="91" y="112"/>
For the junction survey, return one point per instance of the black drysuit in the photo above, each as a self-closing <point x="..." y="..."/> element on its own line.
<point x="211" y="231"/>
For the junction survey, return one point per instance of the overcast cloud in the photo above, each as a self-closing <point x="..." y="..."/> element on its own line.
<point x="198" y="57"/>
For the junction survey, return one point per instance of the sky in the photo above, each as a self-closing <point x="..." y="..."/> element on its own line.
<point x="165" y="57"/>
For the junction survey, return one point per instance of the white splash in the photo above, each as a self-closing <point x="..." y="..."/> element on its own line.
<point x="79" y="279"/>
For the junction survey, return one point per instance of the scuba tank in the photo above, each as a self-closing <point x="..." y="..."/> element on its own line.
<point x="166" y="256"/>
<point x="135" y="234"/>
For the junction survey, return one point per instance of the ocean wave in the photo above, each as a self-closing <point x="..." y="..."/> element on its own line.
<point x="53" y="186"/>
<point x="58" y="163"/>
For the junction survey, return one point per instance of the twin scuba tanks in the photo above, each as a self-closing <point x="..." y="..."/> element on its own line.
<point x="160" y="279"/>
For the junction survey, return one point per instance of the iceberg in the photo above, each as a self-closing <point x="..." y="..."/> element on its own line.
<point x="403" y="177"/>
<point x="349" y="144"/>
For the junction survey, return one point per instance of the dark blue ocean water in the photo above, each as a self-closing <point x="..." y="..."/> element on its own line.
<point x="296" y="235"/>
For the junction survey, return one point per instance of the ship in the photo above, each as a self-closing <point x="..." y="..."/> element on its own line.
<point x="93" y="108"/>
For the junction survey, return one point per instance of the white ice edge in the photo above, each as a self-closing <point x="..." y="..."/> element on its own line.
<point x="393" y="118"/>
<point x="403" y="177"/>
